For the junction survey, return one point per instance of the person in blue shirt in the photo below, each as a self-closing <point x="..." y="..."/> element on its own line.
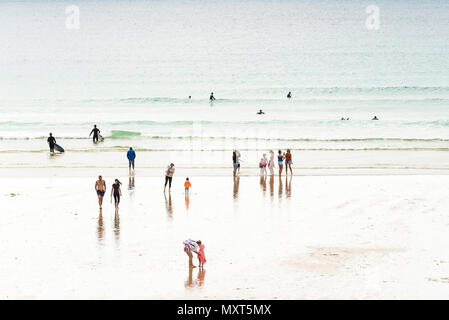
<point x="131" y="155"/>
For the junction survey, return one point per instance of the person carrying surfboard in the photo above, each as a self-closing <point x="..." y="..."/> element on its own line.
<point x="51" y="143"/>
<point x="96" y="133"/>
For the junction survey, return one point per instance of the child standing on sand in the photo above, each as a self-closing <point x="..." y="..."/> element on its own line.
<point x="201" y="256"/>
<point x="187" y="185"/>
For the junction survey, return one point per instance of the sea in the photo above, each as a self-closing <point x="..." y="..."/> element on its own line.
<point x="143" y="71"/>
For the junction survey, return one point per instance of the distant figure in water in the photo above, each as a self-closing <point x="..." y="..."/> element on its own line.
<point x="169" y="176"/>
<point x="271" y="163"/>
<point x="187" y="186"/>
<point x="190" y="97"/>
<point x="280" y="161"/>
<point x="201" y="255"/>
<point x="288" y="162"/>
<point x="289" y="95"/>
<point x="131" y="155"/>
<point x="117" y="192"/>
<point x="344" y="118"/>
<point x="260" y="112"/>
<point x="189" y="247"/>
<point x="375" y="118"/>
<point x="263" y="165"/>
<point x="96" y="132"/>
<point x="51" y="142"/>
<point x="100" y="188"/>
<point x="211" y="98"/>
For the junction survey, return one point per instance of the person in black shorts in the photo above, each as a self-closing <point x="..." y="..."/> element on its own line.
<point x="51" y="142"/>
<point x="100" y="188"/>
<point x="117" y="192"/>
<point x="96" y="132"/>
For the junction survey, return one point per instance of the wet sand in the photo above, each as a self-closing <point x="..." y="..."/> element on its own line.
<point x="313" y="237"/>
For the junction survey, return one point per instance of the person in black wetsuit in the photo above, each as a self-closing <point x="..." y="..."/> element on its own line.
<point x="51" y="142"/>
<point x="260" y="112"/>
<point x="211" y="98"/>
<point x="289" y="95"/>
<point x="96" y="132"/>
<point x="117" y="192"/>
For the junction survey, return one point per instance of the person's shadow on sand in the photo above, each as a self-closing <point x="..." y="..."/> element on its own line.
<point x="168" y="205"/>
<point x="236" y="187"/>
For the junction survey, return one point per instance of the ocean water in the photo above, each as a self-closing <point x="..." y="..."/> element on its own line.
<point x="131" y="66"/>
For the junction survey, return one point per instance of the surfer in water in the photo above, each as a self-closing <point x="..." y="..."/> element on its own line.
<point x="51" y="143"/>
<point x="375" y="118"/>
<point x="211" y="98"/>
<point x="260" y="112"/>
<point x="96" y="133"/>
<point x="289" y="95"/>
<point x="100" y="188"/>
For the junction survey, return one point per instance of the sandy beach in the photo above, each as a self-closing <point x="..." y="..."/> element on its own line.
<point x="309" y="237"/>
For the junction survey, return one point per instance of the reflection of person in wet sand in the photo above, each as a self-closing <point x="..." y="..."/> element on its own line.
<point x="131" y="183"/>
<point x="288" y="186"/>
<point x="271" y="185"/>
<point x="189" y="247"/>
<point x="281" y="188"/>
<point x="263" y="182"/>
<point x="100" y="188"/>
<point x="100" y="229"/>
<point x="116" y="225"/>
<point x="199" y="278"/>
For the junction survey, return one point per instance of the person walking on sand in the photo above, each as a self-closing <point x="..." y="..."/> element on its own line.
<point x="280" y="162"/>
<point x="131" y="155"/>
<point x="187" y="186"/>
<point x="51" y="143"/>
<point x="288" y="162"/>
<point x="263" y="165"/>
<point x="235" y="162"/>
<point x="117" y="192"/>
<point x="189" y="247"/>
<point x="100" y="188"/>
<point x="169" y="176"/>
<point x="271" y="163"/>
<point x="96" y="132"/>
<point x="201" y="255"/>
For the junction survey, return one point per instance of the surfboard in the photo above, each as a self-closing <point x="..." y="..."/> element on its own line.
<point x="100" y="138"/>
<point x="59" y="148"/>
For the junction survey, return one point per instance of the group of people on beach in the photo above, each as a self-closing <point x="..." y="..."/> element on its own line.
<point x="269" y="163"/>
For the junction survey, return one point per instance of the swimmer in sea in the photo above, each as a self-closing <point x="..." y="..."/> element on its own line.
<point x="260" y="112"/>
<point x="100" y="188"/>
<point x="375" y="118"/>
<point x="289" y="95"/>
<point x="211" y="98"/>
<point x="96" y="132"/>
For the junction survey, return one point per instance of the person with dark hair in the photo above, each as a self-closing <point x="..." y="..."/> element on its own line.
<point x="96" y="133"/>
<point x="117" y="192"/>
<point x="169" y="176"/>
<point x="235" y="162"/>
<point x="51" y="142"/>
<point x="211" y="98"/>
<point x="289" y="95"/>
